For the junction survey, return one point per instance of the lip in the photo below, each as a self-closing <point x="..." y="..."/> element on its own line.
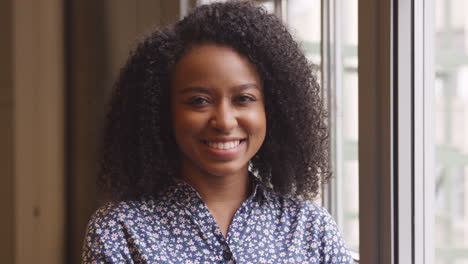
<point x="224" y="139"/>
<point x="224" y="154"/>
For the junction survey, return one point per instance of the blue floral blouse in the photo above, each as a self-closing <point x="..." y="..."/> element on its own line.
<point x="177" y="227"/>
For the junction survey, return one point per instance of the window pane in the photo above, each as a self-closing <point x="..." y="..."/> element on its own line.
<point x="347" y="106"/>
<point x="451" y="132"/>
<point x="305" y="20"/>
<point x="269" y="5"/>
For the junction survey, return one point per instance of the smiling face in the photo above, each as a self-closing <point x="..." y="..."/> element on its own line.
<point x="218" y="111"/>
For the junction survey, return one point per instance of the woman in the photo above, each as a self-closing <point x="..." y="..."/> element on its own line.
<point x="215" y="141"/>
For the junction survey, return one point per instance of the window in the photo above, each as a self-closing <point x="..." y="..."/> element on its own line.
<point x="328" y="35"/>
<point x="399" y="121"/>
<point x="450" y="111"/>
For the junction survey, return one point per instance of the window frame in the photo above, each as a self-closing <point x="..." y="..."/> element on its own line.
<point x="376" y="123"/>
<point x="403" y="105"/>
<point x="396" y="69"/>
<point x="424" y="159"/>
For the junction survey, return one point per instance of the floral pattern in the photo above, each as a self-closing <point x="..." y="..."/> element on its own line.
<point x="177" y="227"/>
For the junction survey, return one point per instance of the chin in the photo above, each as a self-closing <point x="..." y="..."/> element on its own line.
<point x="223" y="170"/>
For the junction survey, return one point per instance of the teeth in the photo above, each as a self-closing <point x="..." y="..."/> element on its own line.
<point x="225" y="145"/>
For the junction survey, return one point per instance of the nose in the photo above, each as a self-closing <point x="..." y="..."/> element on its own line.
<point x="224" y="118"/>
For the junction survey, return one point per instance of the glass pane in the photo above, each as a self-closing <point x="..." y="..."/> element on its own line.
<point x="347" y="114"/>
<point x="269" y="5"/>
<point x="304" y="20"/>
<point x="451" y="132"/>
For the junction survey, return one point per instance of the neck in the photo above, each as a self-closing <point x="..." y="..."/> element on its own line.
<point x="230" y="189"/>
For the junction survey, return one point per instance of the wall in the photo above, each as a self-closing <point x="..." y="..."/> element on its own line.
<point x="58" y="61"/>
<point x="6" y="133"/>
<point x="31" y="70"/>
<point x="99" y="37"/>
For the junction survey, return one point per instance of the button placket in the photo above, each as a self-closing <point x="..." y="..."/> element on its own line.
<point x="227" y="255"/>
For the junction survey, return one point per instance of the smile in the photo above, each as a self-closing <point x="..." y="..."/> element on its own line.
<point x="223" y="145"/>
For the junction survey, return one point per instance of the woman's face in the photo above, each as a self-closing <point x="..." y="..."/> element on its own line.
<point x="218" y="110"/>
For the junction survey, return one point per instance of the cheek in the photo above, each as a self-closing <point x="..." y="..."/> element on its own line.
<point x="186" y="124"/>
<point x="256" y="121"/>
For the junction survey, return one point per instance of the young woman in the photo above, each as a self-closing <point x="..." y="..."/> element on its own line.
<point x="215" y="143"/>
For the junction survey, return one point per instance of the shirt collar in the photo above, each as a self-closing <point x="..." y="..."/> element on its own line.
<point x="185" y="193"/>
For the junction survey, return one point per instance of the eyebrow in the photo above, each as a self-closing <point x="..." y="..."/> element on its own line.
<point x="196" y="89"/>
<point x="200" y="89"/>
<point x="246" y="86"/>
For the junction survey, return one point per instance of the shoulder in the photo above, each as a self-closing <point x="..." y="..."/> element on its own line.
<point x="293" y="211"/>
<point x="114" y="210"/>
<point x="295" y="206"/>
<point x="307" y="212"/>
<point x="115" y="213"/>
<point x="316" y="223"/>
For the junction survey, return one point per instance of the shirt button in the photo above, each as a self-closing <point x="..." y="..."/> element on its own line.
<point x="227" y="255"/>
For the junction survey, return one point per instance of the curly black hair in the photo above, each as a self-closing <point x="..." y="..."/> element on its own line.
<point x="140" y="155"/>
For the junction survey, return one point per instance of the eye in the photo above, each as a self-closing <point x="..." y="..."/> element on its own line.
<point x="245" y="99"/>
<point x="198" y="101"/>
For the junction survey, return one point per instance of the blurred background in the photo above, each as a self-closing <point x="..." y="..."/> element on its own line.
<point x="58" y="61"/>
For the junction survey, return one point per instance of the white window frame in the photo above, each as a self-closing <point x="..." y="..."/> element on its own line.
<point x="424" y="161"/>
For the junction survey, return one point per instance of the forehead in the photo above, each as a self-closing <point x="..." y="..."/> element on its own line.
<point x="211" y="64"/>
